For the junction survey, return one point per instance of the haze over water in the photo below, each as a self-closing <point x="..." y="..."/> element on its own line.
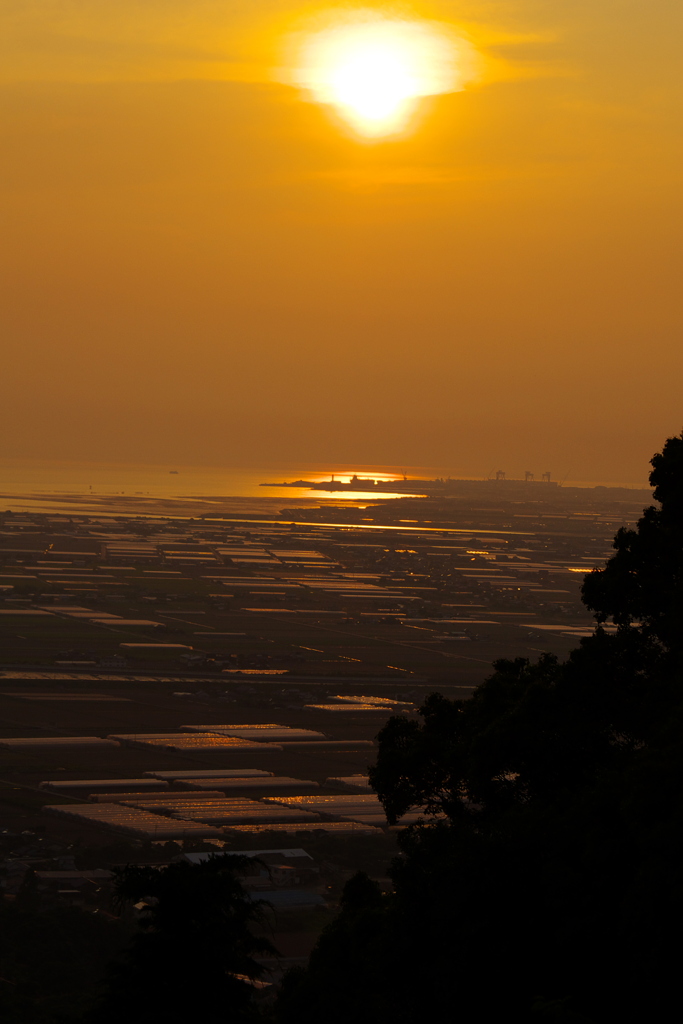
<point x="57" y="486"/>
<point x="53" y="486"/>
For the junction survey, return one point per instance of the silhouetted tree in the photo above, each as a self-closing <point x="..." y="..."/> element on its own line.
<point x="643" y="582"/>
<point x="544" y="880"/>
<point x="195" y="953"/>
<point x="350" y="970"/>
<point x="52" y="959"/>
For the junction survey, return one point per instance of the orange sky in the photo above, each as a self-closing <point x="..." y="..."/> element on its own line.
<point x="200" y="265"/>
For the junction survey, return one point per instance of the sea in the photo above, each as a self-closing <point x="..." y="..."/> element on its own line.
<point x="122" y="488"/>
<point x="33" y="485"/>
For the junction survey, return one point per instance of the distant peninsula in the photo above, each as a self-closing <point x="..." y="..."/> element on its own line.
<point x="498" y="485"/>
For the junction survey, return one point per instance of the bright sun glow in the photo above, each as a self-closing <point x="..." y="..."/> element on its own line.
<point x="374" y="69"/>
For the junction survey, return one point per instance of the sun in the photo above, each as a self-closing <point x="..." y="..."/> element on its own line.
<point x="373" y="76"/>
<point x="374" y="69"/>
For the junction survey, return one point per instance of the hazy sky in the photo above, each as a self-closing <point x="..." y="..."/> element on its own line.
<point x="201" y="265"/>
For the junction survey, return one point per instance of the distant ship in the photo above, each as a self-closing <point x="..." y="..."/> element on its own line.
<point x="173" y="471"/>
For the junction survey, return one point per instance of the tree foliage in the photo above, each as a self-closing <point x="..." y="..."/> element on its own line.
<point x="52" y="960"/>
<point x="643" y="582"/>
<point x="544" y="880"/>
<point x="195" y="953"/>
